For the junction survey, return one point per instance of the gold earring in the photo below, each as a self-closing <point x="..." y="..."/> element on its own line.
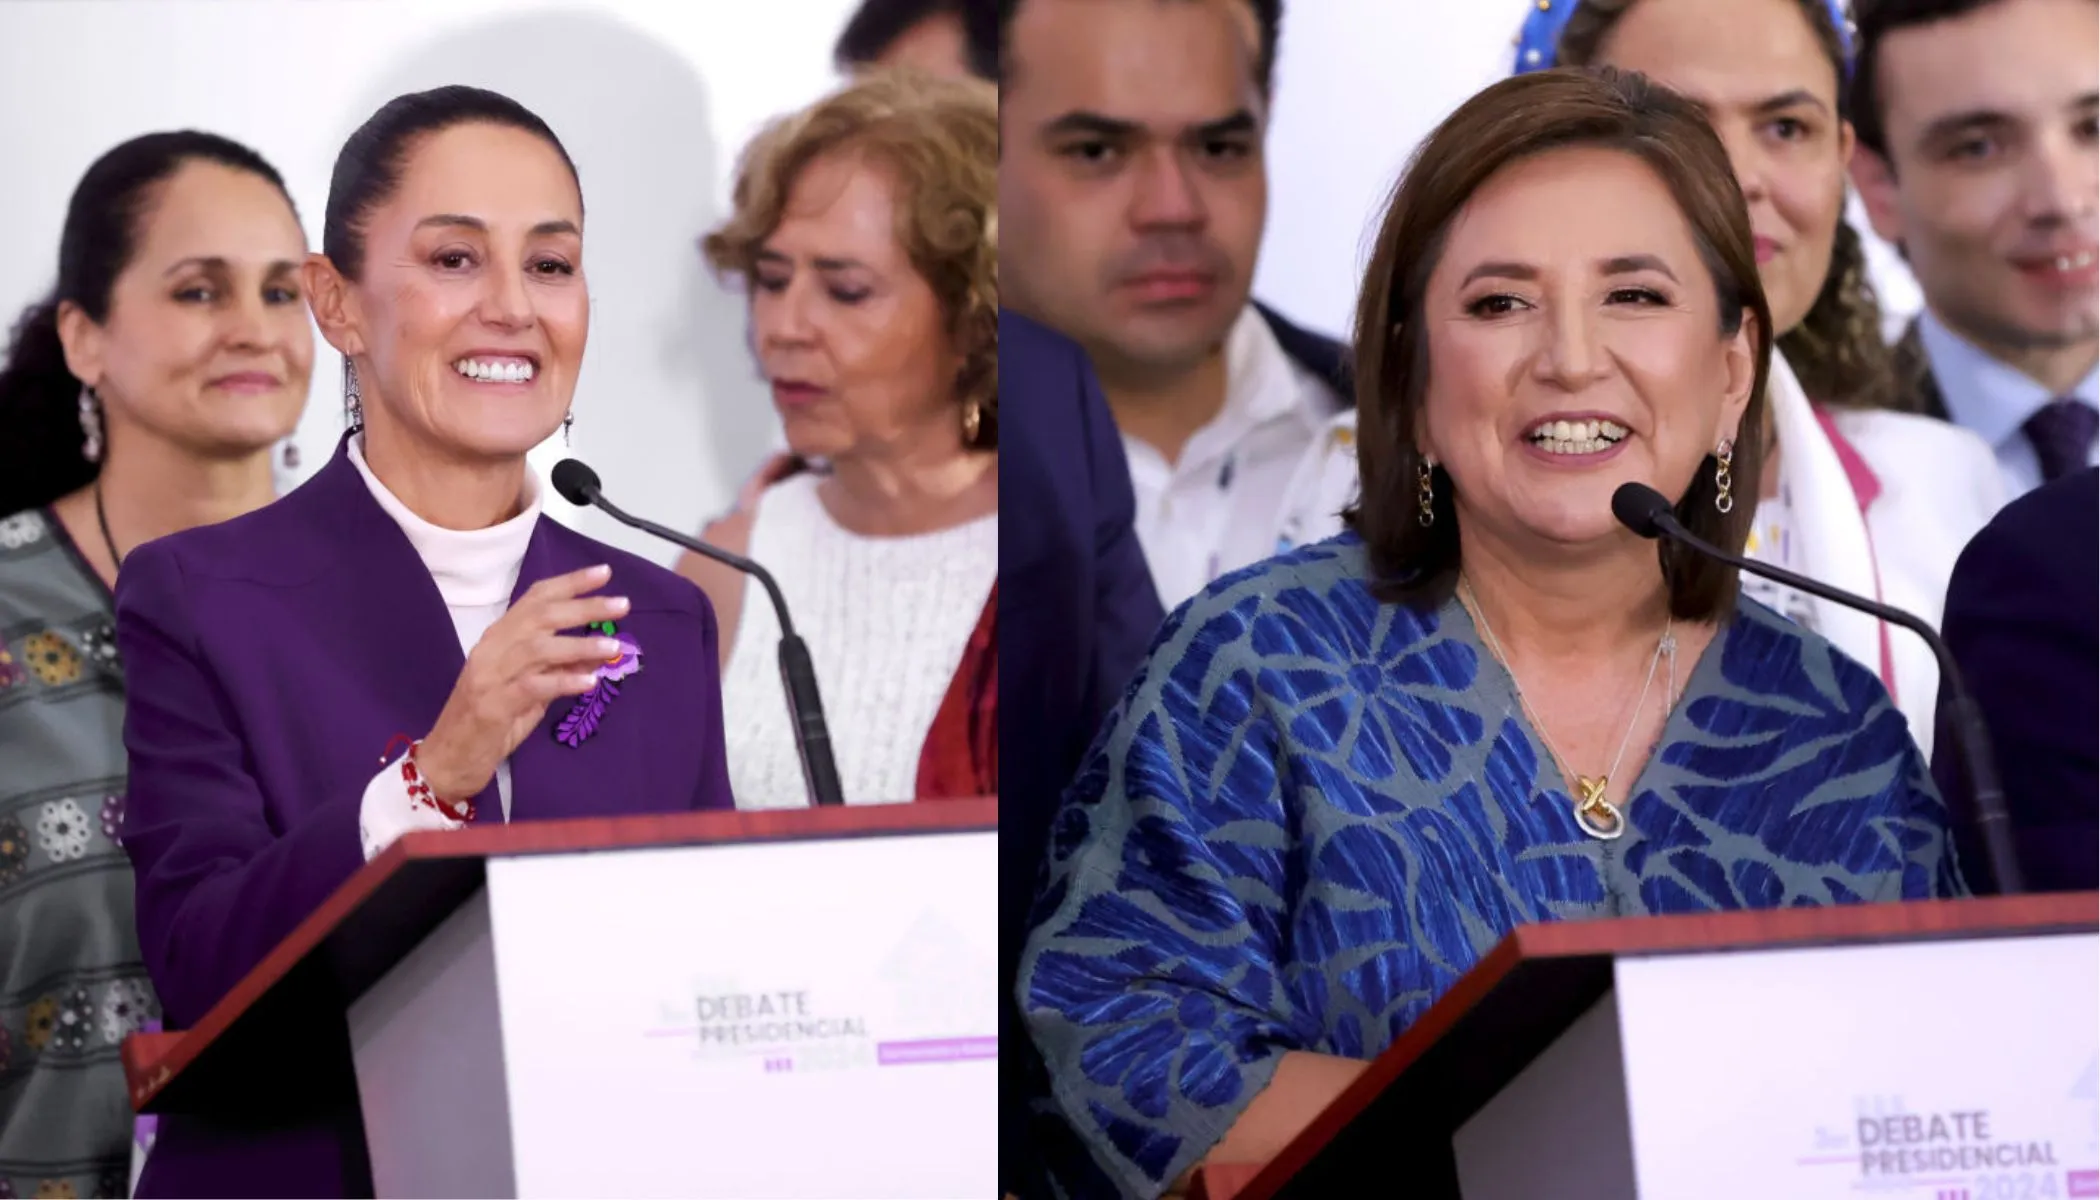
<point x="1425" y="492"/>
<point x="1724" y="458"/>
<point x="973" y="419"/>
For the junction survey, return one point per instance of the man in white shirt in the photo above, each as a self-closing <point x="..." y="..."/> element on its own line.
<point x="1977" y="158"/>
<point x="1132" y="191"/>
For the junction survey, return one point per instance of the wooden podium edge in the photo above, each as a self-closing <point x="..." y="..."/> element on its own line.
<point x="1925" y="920"/>
<point x="154" y="1061"/>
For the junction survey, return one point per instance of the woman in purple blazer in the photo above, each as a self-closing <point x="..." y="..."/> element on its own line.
<point x="404" y="642"/>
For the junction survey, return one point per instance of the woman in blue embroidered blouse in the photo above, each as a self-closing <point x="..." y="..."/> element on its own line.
<point x="1345" y="773"/>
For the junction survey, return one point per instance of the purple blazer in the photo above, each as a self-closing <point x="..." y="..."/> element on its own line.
<point x="268" y="662"/>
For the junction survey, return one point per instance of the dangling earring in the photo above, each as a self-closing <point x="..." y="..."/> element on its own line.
<point x="90" y="424"/>
<point x="1426" y="491"/>
<point x="353" y="399"/>
<point x="1724" y="458"/>
<point x="291" y="456"/>
<point x="567" y="419"/>
<point x="973" y="418"/>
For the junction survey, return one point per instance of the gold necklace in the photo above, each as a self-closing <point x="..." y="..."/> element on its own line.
<point x="1597" y="816"/>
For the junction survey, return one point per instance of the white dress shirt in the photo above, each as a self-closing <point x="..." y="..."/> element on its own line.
<point x="1222" y="505"/>
<point x="1994" y="400"/>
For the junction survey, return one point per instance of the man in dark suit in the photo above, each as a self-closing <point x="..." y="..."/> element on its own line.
<point x="1976" y="159"/>
<point x="2023" y="623"/>
<point x="1076" y="613"/>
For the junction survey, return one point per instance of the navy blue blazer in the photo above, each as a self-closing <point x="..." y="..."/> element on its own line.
<point x="1077" y="611"/>
<point x="1326" y="358"/>
<point x="2023" y="624"/>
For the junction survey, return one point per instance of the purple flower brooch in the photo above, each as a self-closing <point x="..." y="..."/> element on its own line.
<point x="589" y="709"/>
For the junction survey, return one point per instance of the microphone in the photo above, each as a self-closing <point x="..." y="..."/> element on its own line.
<point x="578" y="484"/>
<point x="1644" y="510"/>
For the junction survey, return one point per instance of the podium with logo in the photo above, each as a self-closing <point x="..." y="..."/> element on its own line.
<point x="764" y="1004"/>
<point x="1945" y="1050"/>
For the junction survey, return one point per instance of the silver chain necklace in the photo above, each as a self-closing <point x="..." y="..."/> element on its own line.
<point x="1597" y="816"/>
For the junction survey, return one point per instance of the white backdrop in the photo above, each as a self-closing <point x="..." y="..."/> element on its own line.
<point x="1358" y="84"/>
<point x="653" y="100"/>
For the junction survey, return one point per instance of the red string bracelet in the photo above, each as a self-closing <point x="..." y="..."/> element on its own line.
<point x="419" y="789"/>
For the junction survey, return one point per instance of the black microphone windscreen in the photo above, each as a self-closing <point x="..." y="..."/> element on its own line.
<point x="1639" y="508"/>
<point x="575" y="482"/>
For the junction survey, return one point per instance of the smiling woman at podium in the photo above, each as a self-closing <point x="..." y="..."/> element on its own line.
<point x="404" y="642"/>
<point x="1344" y="774"/>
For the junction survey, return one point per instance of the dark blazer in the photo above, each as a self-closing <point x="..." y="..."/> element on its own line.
<point x="268" y="662"/>
<point x="2023" y="624"/>
<point x="1330" y="360"/>
<point x="1077" y="611"/>
<point x="1917" y="389"/>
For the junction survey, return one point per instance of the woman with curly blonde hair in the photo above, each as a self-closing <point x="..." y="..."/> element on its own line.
<point x="866" y="234"/>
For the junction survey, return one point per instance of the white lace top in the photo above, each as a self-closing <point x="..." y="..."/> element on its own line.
<point x="886" y="620"/>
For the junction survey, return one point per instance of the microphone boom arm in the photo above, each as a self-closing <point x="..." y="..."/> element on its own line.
<point x="798" y="676"/>
<point x="1992" y="821"/>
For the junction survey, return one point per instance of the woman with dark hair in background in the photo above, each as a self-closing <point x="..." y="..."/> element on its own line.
<point x="144" y="397"/>
<point x="410" y="592"/>
<point x="1874" y="501"/>
<point x="1345" y="773"/>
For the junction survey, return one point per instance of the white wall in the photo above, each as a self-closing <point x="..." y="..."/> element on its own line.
<point x="653" y="99"/>
<point x="1358" y="84"/>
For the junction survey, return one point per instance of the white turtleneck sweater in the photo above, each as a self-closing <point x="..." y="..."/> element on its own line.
<point x="475" y="571"/>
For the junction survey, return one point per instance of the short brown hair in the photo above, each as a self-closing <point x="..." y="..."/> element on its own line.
<point x="1837" y="351"/>
<point x="1514" y="120"/>
<point x="1268" y="23"/>
<point x="941" y="139"/>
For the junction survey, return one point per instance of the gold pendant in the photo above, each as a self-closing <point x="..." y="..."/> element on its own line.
<point x="1599" y="817"/>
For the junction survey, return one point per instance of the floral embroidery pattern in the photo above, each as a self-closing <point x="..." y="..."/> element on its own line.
<point x="112" y="817"/>
<point x="590" y="707"/>
<point x="21" y="529"/>
<point x="36" y="1030"/>
<point x="51" y="658"/>
<point x="100" y="644"/>
<point x="11" y="672"/>
<point x="1311" y="814"/>
<point x="70" y="1032"/>
<point x="125" y="1009"/>
<point x="14" y="851"/>
<point x="64" y="830"/>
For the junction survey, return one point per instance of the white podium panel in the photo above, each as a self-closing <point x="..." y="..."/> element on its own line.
<point x="1911" y="1071"/>
<point x="749" y="1021"/>
<point x="1949" y="1070"/>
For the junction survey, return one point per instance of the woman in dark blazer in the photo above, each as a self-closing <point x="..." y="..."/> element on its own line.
<point x="409" y="595"/>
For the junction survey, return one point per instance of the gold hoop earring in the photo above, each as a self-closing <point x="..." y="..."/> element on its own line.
<point x="973" y="420"/>
<point x="1724" y="484"/>
<point x="1425" y="491"/>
